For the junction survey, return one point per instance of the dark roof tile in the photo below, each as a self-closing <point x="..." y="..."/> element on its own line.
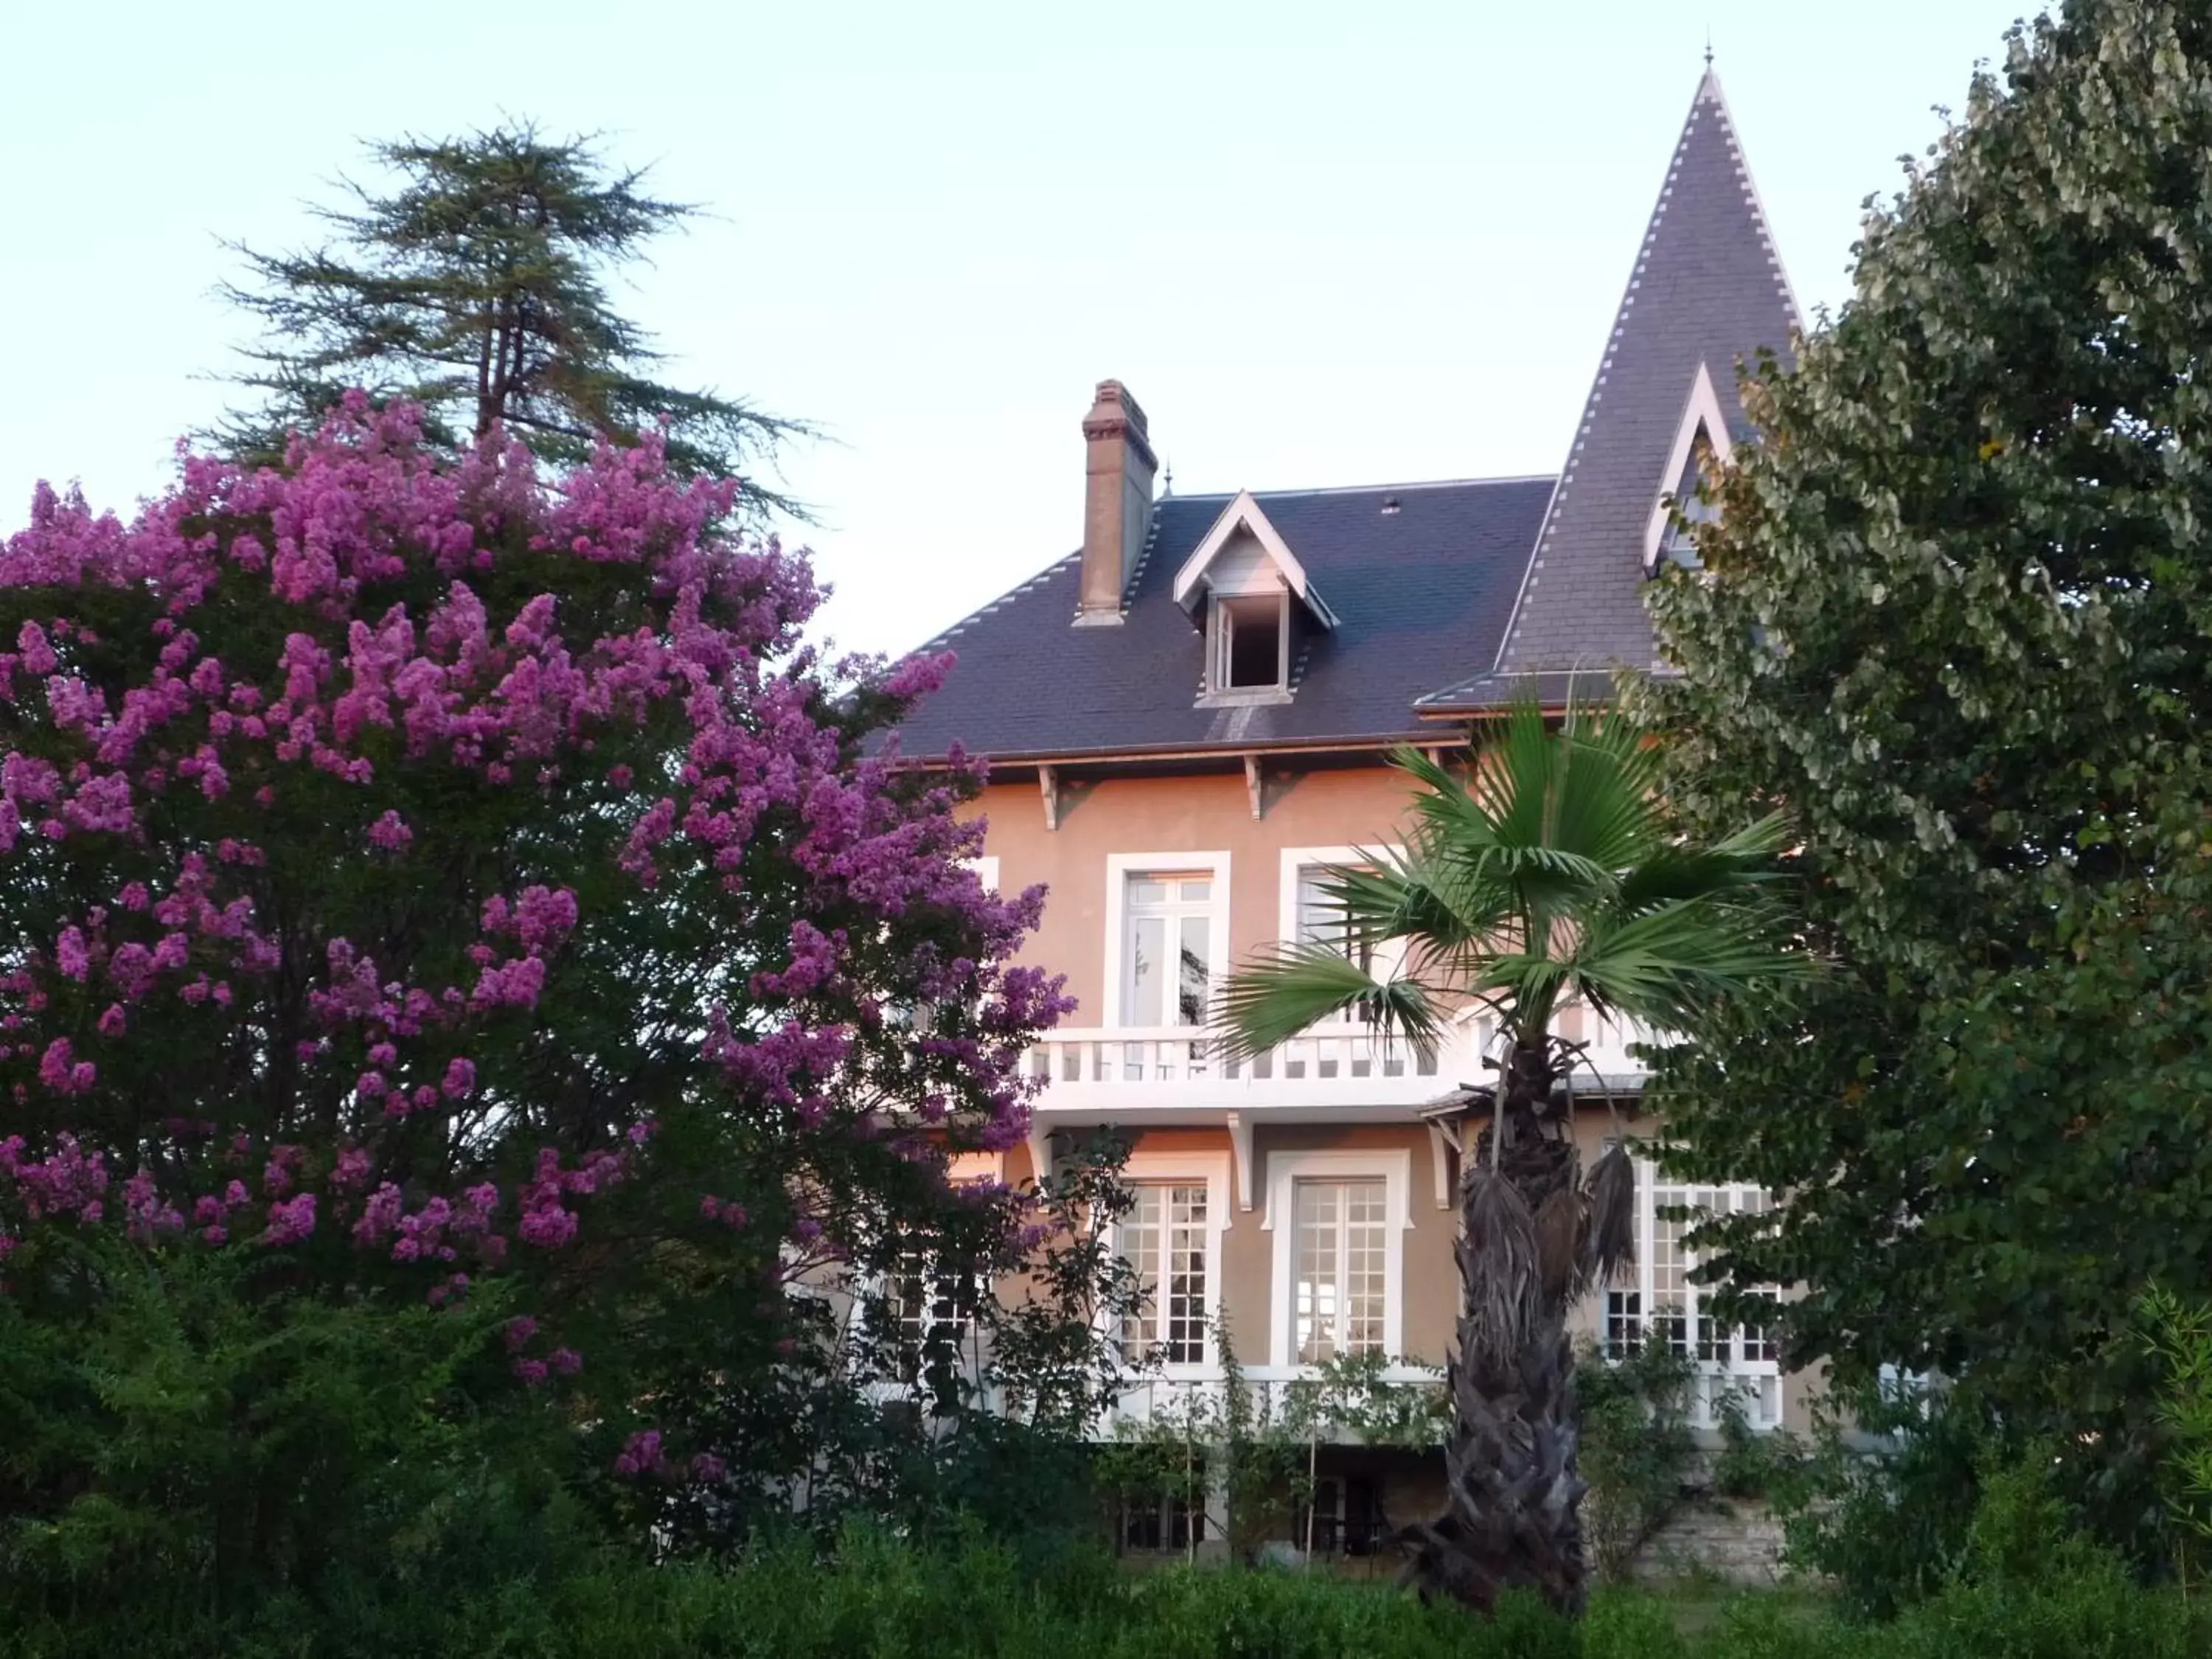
<point x="1707" y="288"/>
<point x="1417" y="593"/>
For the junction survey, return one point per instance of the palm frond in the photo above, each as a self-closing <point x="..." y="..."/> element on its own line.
<point x="1500" y="1277"/>
<point x="1548" y="872"/>
<point x="1609" y="1193"/>
<point x="1285" y="988"/>
<point x="1663" y="964"/>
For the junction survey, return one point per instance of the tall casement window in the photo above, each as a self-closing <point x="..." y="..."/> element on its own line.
<point x="1340" y="1249"/>
<point x="1169" y="949"/>
<point x="1655" y="1301"/>
<point x="1320" y="922"/>
<point x="931" y="1307"/>
<point x="1337" y="1219"/>
<point x="1166" y="1237"/>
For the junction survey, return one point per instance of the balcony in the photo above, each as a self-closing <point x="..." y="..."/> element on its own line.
<point x="1196" y="1403"/>
<point x="1331" y="1068"/>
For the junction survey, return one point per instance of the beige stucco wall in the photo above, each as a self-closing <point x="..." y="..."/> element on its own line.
<point x="1206" y="814"/>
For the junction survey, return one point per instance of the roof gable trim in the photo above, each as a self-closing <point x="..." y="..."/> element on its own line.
<point x="1702" y="413"/>
<point x="1243" y="514"/>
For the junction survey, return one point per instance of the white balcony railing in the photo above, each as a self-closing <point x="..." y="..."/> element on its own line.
<point x="1339" y="1066"/>
<point x="1202" y="1399"/>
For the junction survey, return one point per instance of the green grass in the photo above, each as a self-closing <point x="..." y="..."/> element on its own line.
<point x="882" y="1600"/>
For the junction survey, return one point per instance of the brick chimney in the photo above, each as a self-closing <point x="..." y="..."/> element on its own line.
<point x="1117" y="502"/>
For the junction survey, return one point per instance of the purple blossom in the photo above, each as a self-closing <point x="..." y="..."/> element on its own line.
<point x="291" y="1221"/>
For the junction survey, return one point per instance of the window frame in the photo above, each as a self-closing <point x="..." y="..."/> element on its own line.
<point x="1715" y="1377"/>
<point x="922" y="1264"/>
<point x="1285" y="1169"/>
<point x="1220" y="643"/>
<point x="1211" y="1171"/>
<point x="1389" y="959"/>
<point x="1122" y="868"/>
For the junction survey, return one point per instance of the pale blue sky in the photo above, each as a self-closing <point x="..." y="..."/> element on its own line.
<point x="1347" y="243"/>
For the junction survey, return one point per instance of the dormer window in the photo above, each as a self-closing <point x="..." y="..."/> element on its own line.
<point x="1251" y="644"/>
<point x="1247" y="593"/>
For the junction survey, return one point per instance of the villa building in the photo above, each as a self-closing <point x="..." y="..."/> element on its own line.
<point x="1189" y="716"/>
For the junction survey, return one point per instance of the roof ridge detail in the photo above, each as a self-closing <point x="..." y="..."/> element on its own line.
<point x="1710" y="91"/>
<point x="1363" y="490"/>
<point x="1715" y="176"/>
<point x="1004" y="600"/>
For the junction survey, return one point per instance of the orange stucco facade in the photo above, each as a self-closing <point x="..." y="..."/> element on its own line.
<point x="1207" y="813"/>
<point x="1101" y="831"/>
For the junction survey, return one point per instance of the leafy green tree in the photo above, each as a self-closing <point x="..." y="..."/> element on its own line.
<point x="1552" y="875"/>
<point x="477" y="289"/>
<point x="1953" y="618"/>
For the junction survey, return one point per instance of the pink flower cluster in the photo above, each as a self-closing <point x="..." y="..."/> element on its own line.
<point x="287" y="729"/>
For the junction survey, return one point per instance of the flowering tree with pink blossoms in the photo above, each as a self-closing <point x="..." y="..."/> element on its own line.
<point x="432" y="887"/>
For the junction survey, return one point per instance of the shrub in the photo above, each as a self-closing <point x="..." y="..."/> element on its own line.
<point x="1637" y="1449"/>
<point x="1884" y="1505"/>
<point x="1752" y="1463"/>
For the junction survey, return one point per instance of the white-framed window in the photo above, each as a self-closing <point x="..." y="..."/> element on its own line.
<point x="929" y="1308"/>
<point x="1337" y="1294"/>
<point x="1172" y="1236"/>
<point x="1339" y="1220"/>
<point x="1164" y="1236"/>
<point x="1655" y="1301"/>
<point x="1250" y="647"/>
<point x="1167" y="937"/>
<point x="1307" y="917"/>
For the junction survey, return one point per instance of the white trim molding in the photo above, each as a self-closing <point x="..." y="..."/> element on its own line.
<point x="1243" y="514"/>
<point x="1394" y="1164"/>
<point x="1119" y="868"/>
<point x="1702" y="413"/>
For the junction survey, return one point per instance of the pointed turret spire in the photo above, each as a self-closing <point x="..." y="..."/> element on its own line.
<point x="1707" y="288"/>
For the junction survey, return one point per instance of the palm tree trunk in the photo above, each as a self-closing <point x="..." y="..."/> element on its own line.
<point x="1511" y="1520"/>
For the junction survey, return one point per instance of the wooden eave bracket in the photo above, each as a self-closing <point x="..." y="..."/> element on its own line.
<point x="1040" y="1139"/>
<point x="1240" y="1153"/>
<point x="1255" y="785"/>
<point x="1048" y="787"/>
<point x="1444" y="1151"/>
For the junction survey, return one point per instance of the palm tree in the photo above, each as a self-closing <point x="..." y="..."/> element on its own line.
<point x="1550" y="877"/>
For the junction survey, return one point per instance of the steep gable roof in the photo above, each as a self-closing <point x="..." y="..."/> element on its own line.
<point x="1416" y="575"/>
<point x="1707" y="288"/>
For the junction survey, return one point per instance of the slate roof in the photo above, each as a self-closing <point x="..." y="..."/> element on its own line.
<point x="1417" y="593"/>
<point x="1708" y="287"/>
<point x="1519" y="582"/>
